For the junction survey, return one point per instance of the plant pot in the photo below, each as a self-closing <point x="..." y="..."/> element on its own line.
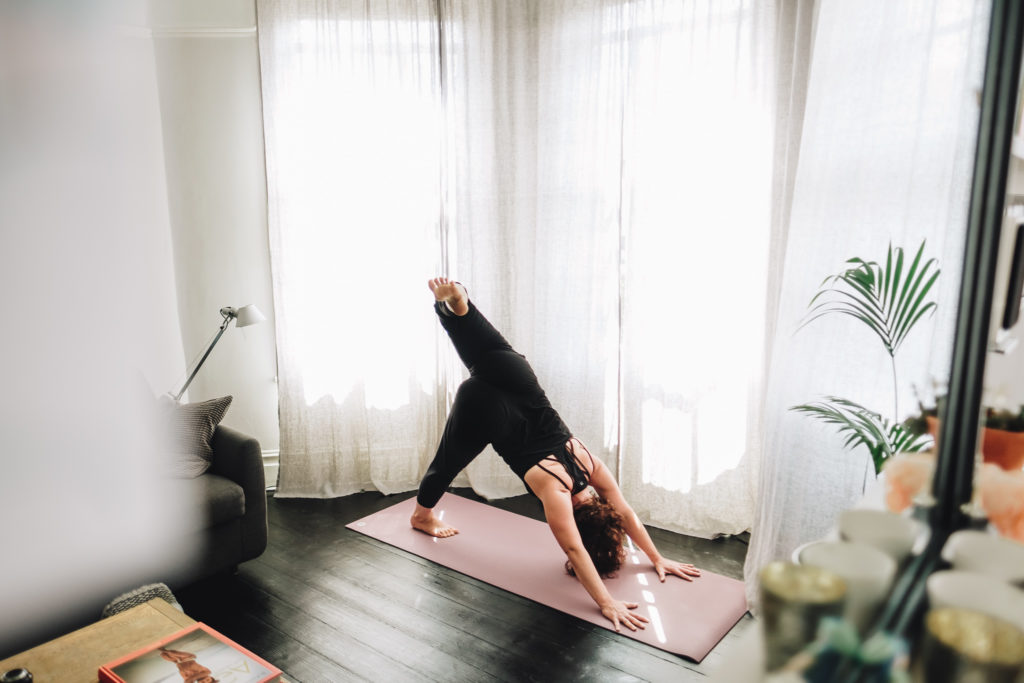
<point x="998" y="446"/>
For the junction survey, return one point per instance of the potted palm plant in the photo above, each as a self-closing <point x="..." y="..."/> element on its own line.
<point x="1002" y="434"/>
<point x="890" y="299"/>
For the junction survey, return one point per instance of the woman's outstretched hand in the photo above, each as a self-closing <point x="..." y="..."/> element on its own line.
<point x="683" y="571"/>
<point x="618" y="612"/>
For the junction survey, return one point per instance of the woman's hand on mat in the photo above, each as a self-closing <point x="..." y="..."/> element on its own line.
<point x="618" y="612"/>
<point x="683" y="571"/>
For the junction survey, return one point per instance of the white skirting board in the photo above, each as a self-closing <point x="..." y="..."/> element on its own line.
<point x="270" y="463"/>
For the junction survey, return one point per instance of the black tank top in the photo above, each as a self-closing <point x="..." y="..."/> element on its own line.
<point x="573" y="466"/>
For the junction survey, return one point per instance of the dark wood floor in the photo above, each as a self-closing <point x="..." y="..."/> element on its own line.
<point x="324" y="603"/>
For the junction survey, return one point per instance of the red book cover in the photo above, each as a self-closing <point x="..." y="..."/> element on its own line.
<point x="197" y="654"/>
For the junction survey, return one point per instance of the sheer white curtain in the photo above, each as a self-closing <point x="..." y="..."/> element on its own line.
<point x="886" y="154"/>
<point x="533" y="95"/>
<point x="599" y="173"/>
<point x="627" y="159"/>
<point x="353" y="137"/>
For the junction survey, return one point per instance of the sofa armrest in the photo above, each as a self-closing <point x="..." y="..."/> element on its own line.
<point x="240" y="458"/>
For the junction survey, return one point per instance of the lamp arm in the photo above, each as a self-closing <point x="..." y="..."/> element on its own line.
<point x="223" y="326"/>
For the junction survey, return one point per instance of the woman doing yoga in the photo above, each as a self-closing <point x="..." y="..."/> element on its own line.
<point x="503" y="404"/>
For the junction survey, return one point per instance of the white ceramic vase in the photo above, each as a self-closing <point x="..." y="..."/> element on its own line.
<point x="868" y="572"/>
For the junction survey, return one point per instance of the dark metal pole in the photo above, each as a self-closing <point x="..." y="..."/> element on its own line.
<point x="958" y="435"/>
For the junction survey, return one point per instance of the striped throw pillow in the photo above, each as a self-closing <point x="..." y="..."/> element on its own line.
<point x="191" y="428"/>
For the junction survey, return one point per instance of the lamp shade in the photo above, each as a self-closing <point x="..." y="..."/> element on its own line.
<point x="248" y="315"/>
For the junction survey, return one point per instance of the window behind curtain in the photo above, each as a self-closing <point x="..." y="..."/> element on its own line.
<point x="358" y="144"/>
<point x="699" y="170"/>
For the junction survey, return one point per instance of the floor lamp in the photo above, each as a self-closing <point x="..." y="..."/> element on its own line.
<point x="244" y="316"/>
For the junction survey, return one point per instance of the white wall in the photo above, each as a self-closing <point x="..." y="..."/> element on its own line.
<point x="88" y="311"/>
<point x="208" y="70"/>
<point x="1004" y="373"/>
<point x="1004" y="377"/>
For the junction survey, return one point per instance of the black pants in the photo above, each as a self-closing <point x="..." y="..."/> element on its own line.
<point x="485" y="405"/>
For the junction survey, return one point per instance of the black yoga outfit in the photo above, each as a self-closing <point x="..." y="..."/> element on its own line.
<point x="502" y="404"/>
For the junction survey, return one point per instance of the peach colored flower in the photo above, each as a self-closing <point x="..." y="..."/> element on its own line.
<point x="906" y="475"/>
<point x="1002" y="497"/>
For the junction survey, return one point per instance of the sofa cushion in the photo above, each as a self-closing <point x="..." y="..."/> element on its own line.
<point x="190" y="427"/>
<point x="214" y="498"/>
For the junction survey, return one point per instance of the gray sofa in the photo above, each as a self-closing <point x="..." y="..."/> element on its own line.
<point x="231" y="526"/>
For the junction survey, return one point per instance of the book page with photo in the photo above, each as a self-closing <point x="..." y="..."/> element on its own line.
<point x="197" y="655"/>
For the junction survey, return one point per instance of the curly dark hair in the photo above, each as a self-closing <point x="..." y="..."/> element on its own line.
<point x="602" y="530"/>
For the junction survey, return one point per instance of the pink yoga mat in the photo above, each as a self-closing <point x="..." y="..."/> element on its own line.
<point x="521" y="555"/>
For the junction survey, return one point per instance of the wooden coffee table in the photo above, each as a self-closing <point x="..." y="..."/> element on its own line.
<point x="77" y="657"/>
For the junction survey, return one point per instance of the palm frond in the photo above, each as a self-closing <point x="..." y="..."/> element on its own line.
<point x="890" y="300"/>
<point x="864" y="427"/>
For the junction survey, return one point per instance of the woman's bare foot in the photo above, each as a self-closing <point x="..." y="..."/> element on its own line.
<point x="423" y="519"/>
<point x="452" y="293"/>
